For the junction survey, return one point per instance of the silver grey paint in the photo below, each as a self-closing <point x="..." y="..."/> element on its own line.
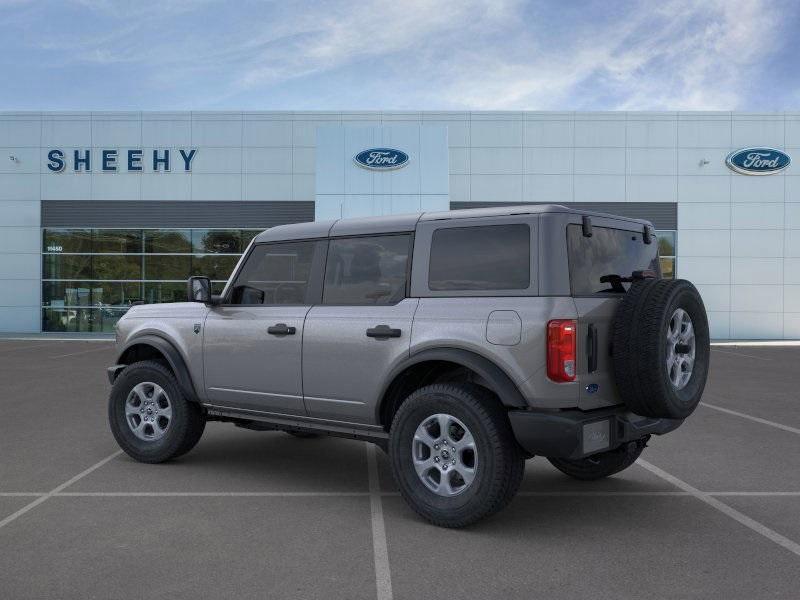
<point x="343" y="369"/>
<point x="330" y="374"/>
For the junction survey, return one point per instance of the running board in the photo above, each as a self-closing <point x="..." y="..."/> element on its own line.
<point x="250" y="419"/>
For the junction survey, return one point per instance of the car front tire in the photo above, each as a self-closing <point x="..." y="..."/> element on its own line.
<point x="149" y="415"/>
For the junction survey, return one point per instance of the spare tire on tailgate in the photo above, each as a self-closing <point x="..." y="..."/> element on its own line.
<point x="660" y="348"/>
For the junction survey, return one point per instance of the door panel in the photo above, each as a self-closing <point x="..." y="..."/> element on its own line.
<point x="597" y="314"/>
<point x="248" y="367"/>
<point x="344" y="368"/>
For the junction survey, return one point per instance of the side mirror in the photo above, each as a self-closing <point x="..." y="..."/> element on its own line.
<point x="199" y="290"/>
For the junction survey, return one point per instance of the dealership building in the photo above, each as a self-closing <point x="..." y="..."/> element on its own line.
<point x="102" y="209"/>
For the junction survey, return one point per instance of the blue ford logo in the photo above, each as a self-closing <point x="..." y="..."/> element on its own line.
<point x="381" y="159"/>
<point x="758" y="161"/>
<point x="592" y="388"/>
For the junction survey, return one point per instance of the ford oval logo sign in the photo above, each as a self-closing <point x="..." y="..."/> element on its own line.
<point x="758" y="161"/>
<point x="381" y="159"/>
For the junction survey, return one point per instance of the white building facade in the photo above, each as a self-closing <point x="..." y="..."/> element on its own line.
<point x="98" y="210"/>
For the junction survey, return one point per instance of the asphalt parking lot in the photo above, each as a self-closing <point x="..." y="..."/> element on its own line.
<point x="710" y="511"/>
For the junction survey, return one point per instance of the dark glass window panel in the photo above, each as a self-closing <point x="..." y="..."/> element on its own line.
<point x="164" y="292"/>
<point x="217" y="287"/>
<point x="278" y="273"/>
<point x="173" y="241"/>
<point x="167" y="267"/>
<point x="666" y="243"/>
<point x="214" y="266"/>
<point x="90" y="293"/>
<point x="667" y="268"/>
<point x="366" y="270"/>
<point x="67" y="266"/>
<point x="607" y="252"/>
<point x="492" y="257"/>
<point x="67" y="240"/>
<point x="116" y="267"/>
<point x="247" y="237"/>
<point x="117" y="240"/>
<point x="222" y="241"/>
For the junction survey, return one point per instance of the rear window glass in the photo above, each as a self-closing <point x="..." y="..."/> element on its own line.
<point x="607" y="252"/>
<point x="490" y="257"/>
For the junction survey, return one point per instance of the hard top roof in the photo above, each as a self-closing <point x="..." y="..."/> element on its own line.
<point x="408" y="222"/>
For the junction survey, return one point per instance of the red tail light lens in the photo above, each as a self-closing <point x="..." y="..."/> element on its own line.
<point x="561" y="335"/>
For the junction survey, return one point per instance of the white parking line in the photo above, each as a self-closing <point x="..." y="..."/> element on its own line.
<point x="56" y="490"/>
<point x="212" y="494"/>
<point x="588" y="494"/>
<point x="18" y="348"/>
<point x="55" y="339"/>
<point x="598" y="494"/>
<point x="383" y="578"/>
<point x="734" y="514"/>
<point x="752" y="418"/>
<point x="741" y="354"/>
<point x="76" y="353"/>
<point x="755" y="494"/>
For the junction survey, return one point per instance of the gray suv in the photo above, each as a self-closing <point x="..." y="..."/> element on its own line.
<point x="462" y="343"/>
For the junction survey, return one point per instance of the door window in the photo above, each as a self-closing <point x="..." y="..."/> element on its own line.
<point x="367" y="270"/>
<point x="275" y="274"/>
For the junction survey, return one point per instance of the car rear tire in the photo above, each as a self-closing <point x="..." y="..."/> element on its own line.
<point x="660" y="348"/>
<point x="453" y="454"/>
<point x="601" y="465"/>
<point x="150" y="417"/>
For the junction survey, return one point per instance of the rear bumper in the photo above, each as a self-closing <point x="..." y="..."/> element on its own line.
<point x="575" y="433"/>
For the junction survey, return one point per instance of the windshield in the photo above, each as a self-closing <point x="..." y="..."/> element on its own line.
<point x="607" y="252"/>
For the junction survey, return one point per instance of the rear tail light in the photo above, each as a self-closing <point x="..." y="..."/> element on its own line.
<point x="561" y="349"/>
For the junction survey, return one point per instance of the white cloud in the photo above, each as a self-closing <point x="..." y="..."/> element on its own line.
<point x="474" y="54"/>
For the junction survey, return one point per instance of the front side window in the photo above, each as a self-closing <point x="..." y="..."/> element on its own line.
<point x="275" y="274"/>
<point x="606" y="252"/>
<point x="486" y="257"/>
<point x="366" y="270"/>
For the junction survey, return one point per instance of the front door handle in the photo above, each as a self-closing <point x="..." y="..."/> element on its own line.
<point x="383" y="331"/>
<point x="281" y="329"/>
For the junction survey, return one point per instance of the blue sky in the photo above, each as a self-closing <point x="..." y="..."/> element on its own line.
<point x="390" y="54"/>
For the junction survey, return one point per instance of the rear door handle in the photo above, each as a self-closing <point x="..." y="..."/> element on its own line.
<point x="383" y="331"/>
<point x="281" y="329"/>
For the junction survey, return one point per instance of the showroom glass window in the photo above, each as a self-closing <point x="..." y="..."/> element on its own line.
<point x="90" y="277"/>
<point x="666" y="253"/>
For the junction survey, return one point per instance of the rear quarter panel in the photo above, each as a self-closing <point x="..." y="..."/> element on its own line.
<point x="462" y="323"/>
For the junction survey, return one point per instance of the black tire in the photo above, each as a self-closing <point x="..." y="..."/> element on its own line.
<point x="498" y="472"/>
<point x="305" y="435"/>
<point x="639" y="348"/>
<point x="601" y="465"/>
<point x="185" y="427"/>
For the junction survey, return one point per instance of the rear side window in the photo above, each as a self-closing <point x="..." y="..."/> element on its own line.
<point x="488" y="257"/>
<point x="607" y="252"/>
<point x="275" y="274"/>
<point x="366" y="270"/>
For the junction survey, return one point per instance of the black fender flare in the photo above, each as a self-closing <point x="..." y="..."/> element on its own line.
<point x="496" y="377"/>
<point x="173" y="356"/>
